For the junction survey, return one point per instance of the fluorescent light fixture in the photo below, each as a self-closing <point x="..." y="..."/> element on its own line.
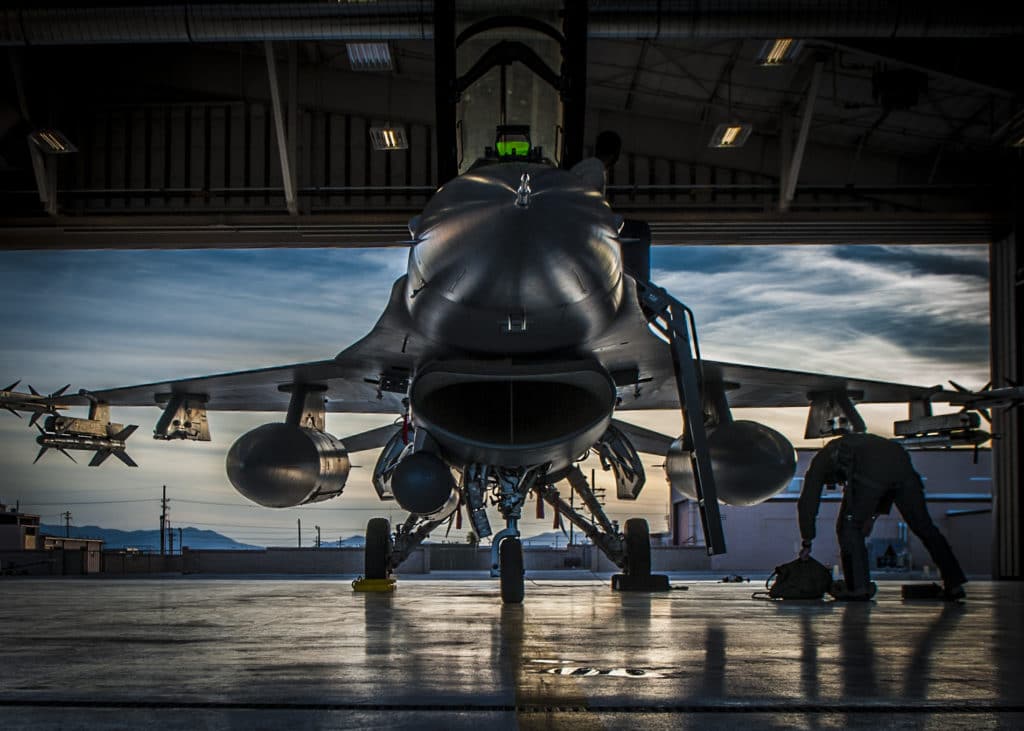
<point x="389" y="138"/>
<point x="52" y="142"/>
<point x="778" y="52"/>
<point x="730" y="134"/>
<point x="369" y="56"/>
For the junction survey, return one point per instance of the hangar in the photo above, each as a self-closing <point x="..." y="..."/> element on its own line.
<point x="309" y="124"/>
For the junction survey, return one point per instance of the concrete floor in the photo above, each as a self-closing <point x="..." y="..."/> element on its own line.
<point x="192" y="653"/>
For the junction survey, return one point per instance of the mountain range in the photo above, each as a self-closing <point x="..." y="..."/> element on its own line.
<point x="148" y="540"/>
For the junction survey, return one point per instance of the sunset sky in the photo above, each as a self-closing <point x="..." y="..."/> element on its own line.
<point x="99" y="319"/>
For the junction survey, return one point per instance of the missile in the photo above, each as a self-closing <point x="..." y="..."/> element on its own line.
<point x="1009" y="396"/>
<point x="104" y="446"/>
<point x="15" y="401"/>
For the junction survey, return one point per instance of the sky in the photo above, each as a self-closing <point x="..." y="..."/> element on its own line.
<point x="99" y="319"/>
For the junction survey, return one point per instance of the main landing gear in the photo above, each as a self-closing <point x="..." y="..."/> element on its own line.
<point x="378" y="549"/>
<point x="629" y="550"/>
<point x="510" y="566"/>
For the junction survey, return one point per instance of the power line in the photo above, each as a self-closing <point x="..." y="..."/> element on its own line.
<point x="91" y="502"/>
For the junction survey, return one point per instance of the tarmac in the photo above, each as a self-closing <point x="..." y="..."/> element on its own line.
<point x="275" y="653"/>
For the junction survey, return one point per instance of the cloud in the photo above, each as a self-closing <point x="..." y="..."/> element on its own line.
<point x="917" y="319"/>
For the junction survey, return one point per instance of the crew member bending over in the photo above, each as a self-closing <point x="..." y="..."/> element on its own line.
<point x="877" y="472"/>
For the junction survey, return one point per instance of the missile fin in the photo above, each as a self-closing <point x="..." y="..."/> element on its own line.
<point x="125" y="433"/>
<point x="13" y="385"/>
<point x="68" y="455"/>
<point x="13" y="411"/>
<point x="35" y="418"/>
<point x="42" y="451"/>
<point x="123" y="456"/>
<point x="60" y="391"/>
<point x="100" y="457"/>
<point x="34" y="392"/>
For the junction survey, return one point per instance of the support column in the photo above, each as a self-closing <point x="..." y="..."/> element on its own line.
<point x="801" y="141"/>
<point x="574" y="80"/>
<point x="444" y="91"/>
<point x="287" y="175"/>
<point x="1007" y="319"/>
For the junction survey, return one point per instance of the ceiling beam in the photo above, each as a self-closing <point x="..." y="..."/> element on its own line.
<point x="388" y="229"/>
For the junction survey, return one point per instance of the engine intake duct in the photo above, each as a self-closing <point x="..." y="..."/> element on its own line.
<point x="514" y="415"/>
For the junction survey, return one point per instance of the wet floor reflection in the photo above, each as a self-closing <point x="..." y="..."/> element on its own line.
<point x="856" y="651"/>
<point x="572" y="645"/>
<point x="918" y="675"/>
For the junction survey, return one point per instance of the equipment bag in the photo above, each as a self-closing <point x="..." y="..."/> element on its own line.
<point x="798" y="579"/>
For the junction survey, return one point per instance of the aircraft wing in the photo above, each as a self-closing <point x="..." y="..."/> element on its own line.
<point x="630" y="350"/>
<point x="353" y="378"/>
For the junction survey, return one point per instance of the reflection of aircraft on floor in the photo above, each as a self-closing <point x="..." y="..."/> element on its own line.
<point x="525" y="322"/>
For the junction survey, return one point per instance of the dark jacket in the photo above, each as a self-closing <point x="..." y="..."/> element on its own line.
<point x="870" y="465"/>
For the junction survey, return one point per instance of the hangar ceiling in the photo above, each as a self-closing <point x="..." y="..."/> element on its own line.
<point x="893" y="123"/>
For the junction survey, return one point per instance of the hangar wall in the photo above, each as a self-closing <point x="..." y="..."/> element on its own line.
<point x="1007" y="317"/>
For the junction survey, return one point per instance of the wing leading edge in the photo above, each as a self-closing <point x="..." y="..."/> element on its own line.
<point x="630" y="347"/>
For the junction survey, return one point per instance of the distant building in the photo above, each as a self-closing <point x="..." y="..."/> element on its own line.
<point x="78" y="555"/>
<point x="18" y="531"/>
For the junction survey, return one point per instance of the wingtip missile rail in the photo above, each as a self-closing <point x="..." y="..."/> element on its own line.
<point x="32" y="402"/>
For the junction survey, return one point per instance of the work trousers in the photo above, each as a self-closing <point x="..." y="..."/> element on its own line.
<point x="860" y="505"/>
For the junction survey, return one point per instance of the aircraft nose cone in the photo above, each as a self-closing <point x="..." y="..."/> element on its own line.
<point x="530" y="253"/>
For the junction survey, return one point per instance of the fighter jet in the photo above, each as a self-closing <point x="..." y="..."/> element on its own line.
<point x="524" y="326"/>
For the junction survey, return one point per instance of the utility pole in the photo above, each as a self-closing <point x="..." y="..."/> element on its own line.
<point x="163" y="520"/>
<point x="67" y="523"/>
<point x="317" y="536"/>
<point x="299" y="521"/>
<point x="170" y="541"/>
<point x="181" y="541"/>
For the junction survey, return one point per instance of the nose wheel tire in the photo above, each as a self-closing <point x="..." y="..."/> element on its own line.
<point x="377" y="553"/>
<point x="638" y="547"/>
<point x="510" y="557"/>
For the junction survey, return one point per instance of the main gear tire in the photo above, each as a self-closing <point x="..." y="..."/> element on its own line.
<point x="510" y="564"/>
<point x="638" y="547"/>
<point x="377" y="552"/>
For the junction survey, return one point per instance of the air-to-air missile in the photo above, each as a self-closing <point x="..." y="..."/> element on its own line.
<point x="34" y="402"/>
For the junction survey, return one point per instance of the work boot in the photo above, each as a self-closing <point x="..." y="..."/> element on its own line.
<point x="841" y="593"/>
<point x="954" y="593"/>
<point x="922" y="591"/>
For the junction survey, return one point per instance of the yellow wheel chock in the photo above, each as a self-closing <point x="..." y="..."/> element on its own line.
<point x="374" y="585"/>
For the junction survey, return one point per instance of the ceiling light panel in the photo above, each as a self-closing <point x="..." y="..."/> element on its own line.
<point x="369" y="56"/>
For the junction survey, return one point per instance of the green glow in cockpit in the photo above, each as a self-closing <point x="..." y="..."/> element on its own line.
<point x="507" y="148"/>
